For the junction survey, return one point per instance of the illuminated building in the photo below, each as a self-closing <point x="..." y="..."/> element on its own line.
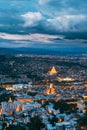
<point x="67" y="79"/>
<point x="10" y="107"/>
<point x="0" y="110"/>
<point x="25" y="100"/>
<point x="84" y="98"/>
<point x="10" y="100"/>
<point x="51" y="89"/>
<point x="53" y="71"/>
<point x="86" y="87"/>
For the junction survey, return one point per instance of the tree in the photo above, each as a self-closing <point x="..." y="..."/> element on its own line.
<point x="64" y="107"/>
<point x="53" y="120"/>
<point x="82" y="121"/>
<point x="18" y="127"/>
<point x="36" y="123"/>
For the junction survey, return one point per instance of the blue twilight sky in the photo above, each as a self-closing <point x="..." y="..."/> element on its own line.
<point x="43" y="23"/>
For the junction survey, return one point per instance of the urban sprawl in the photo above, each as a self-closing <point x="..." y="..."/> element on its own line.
<point x="43" y="92"/>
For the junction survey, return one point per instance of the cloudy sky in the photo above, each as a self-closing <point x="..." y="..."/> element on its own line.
<point x="43" y="23"/>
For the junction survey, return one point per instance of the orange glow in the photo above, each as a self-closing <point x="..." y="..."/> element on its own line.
<point x="25" y="100"/>
<point x="53" y="71"/>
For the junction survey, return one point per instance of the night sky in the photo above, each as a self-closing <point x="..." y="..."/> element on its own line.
<point x="58" y="24"/>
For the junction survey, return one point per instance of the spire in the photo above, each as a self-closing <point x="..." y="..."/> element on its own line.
<point x="10" y="100"/>
<point x="53" y="71"/>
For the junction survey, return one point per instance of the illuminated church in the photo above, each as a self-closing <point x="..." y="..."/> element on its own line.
<point x="53" y="71"/>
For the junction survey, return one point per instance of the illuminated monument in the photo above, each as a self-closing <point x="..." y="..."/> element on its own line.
<point x="52" y="71"/>
<point x="51" y="89"/>
<point x="52" y="74"/>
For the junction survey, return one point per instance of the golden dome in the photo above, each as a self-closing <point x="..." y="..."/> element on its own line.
<point x="53" y="71"/>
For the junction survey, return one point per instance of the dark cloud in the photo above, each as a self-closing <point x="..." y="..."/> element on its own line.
<point x="64" y="6"/>
<point x="66" y="18"/>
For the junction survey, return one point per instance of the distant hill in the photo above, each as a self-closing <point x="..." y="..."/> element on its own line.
<point x="13" y="51"/>
<point x="36" y="51"/>
<point x="51" y="51"/>
<point x="8" y="51"/>
<point x="40" y="51"/>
